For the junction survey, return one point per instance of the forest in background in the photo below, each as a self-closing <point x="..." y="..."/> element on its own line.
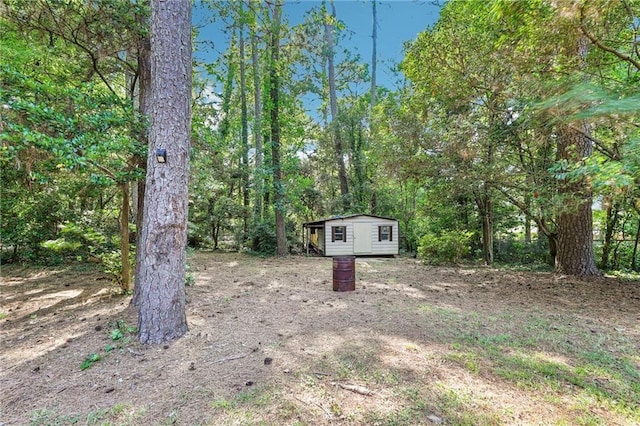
<point x="515" y="139"/>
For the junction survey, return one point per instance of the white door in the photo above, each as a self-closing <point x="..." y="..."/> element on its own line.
<point x="361" y="238"/>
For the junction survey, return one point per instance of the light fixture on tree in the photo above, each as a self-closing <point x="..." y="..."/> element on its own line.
<point x="161" y="155"/>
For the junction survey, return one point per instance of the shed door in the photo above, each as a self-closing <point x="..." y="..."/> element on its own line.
<point x="361" y="238"/>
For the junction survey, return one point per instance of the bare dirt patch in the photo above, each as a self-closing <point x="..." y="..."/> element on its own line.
<point x="269" y="342"/>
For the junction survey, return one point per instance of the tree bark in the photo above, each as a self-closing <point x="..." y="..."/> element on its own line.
<point x="257" y="126"/>
<point x="274" y="95"/>
<point x="144" y="102"/>
<point x="485" y="208"/>
<point x="161" y="307"/>
<point x="611" y="223"/>
<point x="575" y="254"/>
<point x="124" y="238"/>
<point x="634" y="255"/>
<point x="244" y="136"/>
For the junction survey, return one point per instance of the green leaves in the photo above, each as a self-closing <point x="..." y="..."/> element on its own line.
<point x="589" y="100"/>
<point x="78" y="126"/>
<point x="89" y="361"/>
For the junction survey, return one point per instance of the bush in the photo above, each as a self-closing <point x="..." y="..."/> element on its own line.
<point x="112" y="264"/>
<point x="448" y="247"/>
<point x="263" y="238"/>
<point x="513" y="251"/>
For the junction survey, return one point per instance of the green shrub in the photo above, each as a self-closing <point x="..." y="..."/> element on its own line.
<point x="78" y="241"/>
<point x="448" y="247"/>
<point x="513" y="251"/>
<point x="263" y="238"/>
<point x="112" y="264"/>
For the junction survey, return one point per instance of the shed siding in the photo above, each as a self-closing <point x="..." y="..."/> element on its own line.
<point x="341" y="248"/>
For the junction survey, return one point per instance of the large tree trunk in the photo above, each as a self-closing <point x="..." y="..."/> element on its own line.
<point x="575" y="221"/>
<point x="575" y="254"/>
<point x="274" y="95"/>
<point x="161" y="305"/>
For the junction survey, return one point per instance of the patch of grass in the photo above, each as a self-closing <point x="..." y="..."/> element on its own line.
<point x="411" y="347"/>
<point x="50" y="416"/>
<point x="248" y="407"/>
<point x="405" y="416"/>
<point x="361" y="363"/>
<point x="468" y="360"/>
<point x="463" y="408"/>
<point x="171" y="419"/>
<point x="2" y="315"/>
<point x="547" y="355"/>
<point x="287" y="410"/>
<point x="255" y="397"/>
<point x="119" y="414"/>
<point x="222" y="404"/>
<point x="424" y="405"/>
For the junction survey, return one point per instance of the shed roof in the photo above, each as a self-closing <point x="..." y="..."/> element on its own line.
<point x="323" y="221"/>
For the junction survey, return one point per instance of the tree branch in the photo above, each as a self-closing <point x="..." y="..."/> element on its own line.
<point x="599" y="145"/>
<point x="602" y="46"/>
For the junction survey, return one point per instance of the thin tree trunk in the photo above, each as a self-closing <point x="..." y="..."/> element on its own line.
<point x="244" y="136"/>
<point x="611" y="222"/>
<point x="527" y="221"/>
<point x="359" y="161"/>
<point x="552" y="239"/>
<point x="124" y="238"/>
<point x="485" y="208"/>
<point x="257" y="127"/>
<point x="274" y="95"/>
<point x="144" y="102"/>
<point x="486" y="200"/>
<point x="634" y="256"/>
<point x="161" y="305"/>
<point x="227" y="92"/>
<point x="374" y="54"/>
<point x="333" y="101"/>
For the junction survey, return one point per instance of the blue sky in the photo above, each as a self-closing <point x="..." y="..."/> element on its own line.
<point x="398" y="21"/>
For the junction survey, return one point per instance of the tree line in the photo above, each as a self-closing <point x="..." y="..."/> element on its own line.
<point x="514" y="138"/>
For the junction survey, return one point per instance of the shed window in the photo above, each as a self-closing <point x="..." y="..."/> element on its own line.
<point x="338" y="233"/>
<point x="385" y="233"/>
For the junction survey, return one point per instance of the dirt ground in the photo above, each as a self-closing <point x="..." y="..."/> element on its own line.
<point x="270" y="342"/>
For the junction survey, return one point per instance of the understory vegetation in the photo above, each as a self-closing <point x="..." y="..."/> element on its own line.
<point x="489" y="157"/>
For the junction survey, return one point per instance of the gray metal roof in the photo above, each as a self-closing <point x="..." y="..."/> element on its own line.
<point x="323" y="221"/>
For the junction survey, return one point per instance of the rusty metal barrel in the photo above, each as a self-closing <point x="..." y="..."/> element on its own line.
<point x="344" y="273"/>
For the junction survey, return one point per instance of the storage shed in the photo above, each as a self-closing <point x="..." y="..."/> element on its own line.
<point x="357" y="234"/>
